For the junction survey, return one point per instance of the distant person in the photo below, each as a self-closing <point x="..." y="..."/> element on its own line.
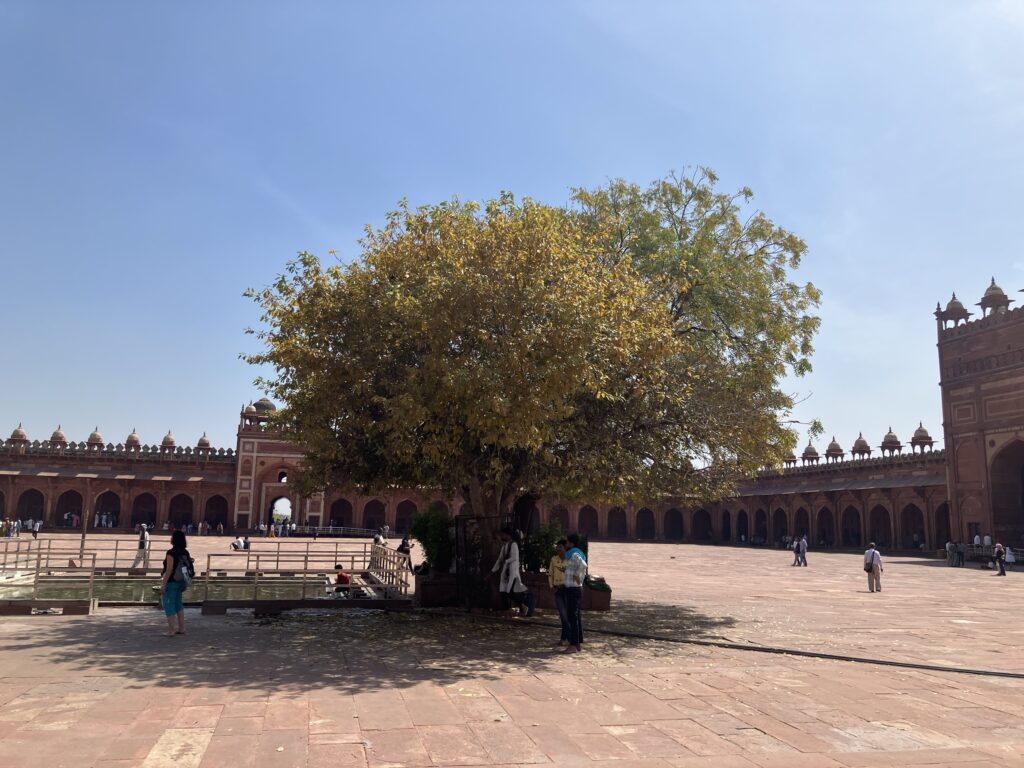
<point x="37" y="528"/>
<point x="378" y="537"/>
<point x="977" y="539"/>
<point x="220" y="529"/>
<point x="176" y="576"/>
<point x="961" y="554"/>
<point x="873" y="567"/>
<point x="575" y="573"/>
<point x="1000" y="557"/>
<point x="1011" y="558"/>
<point x="142" y="554"/>
<point x="950" y="553"/>
<point x="341" y="580"/>
<point x="801" y="548"/>
<point x="556" y="581"/>
<point x="987" y="541"/>
<point x="795" y="545"/>
<point x="238" y="544"/>
<point x="510" y="581"/>
<point x="406" y="549"/>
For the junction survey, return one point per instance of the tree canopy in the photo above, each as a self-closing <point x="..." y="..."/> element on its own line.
<point x="630" y="345"/>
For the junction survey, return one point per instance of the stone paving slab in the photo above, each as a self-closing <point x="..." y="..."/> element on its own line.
<point x="373" y="690"/>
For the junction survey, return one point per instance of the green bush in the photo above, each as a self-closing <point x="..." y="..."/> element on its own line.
<point x="432" y="529"/>
<point x="540" y="546"/>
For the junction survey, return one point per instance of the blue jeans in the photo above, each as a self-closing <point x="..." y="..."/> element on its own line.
<point x="563" y="613"/>
<point x="573" y="598"/>
<point x="172" y="598"/>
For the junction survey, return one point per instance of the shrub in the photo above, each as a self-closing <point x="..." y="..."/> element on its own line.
<point x="540" y="546"/>
<point x="433" y="530"/>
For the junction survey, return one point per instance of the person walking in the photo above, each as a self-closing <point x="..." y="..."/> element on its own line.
<point x="556" y="580"/>
<point x="795" y="544"/>
<point x="575" y="573"/>
<point x="142" y="553"/>
<point x="802" y="550"/>
<point x="873" y="567"/>
<point x="510" y="581"/>
<point x="961" y="554"/>
<point x="176" y="576"/>
<point x="1000" y="557"/>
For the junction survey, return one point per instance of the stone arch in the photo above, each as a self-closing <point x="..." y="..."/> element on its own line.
<point x="561" y="515"/>
<point x="373" y="514"/>
<point x="851" y="527"/>
<point x="144" y="509"/>
<point x="341" y="513"/>
<point x="645" y="528"/>
<point x="216" y="511"/>
<point x="802" y="524"/>
<point x="69" y="504"/>
<point x="108" y="509"/>
<point x="726" y="525"/>
<point x="31" y="505"/>
<point x="404" y="513"/>
<point x="826" y="529"/>
<point x="588" y="522"/>
<point x="760" y="527"/>
<point x="1008" y="494"/>
<point x="742" y="526"/>
<point x="911" y="526"/>
<point x="673" y="524"/>
<point x="180" y="511"/>
<point x="880" y="528"/>
<point x="943" y="530"/>
<point x="700" y="530"/>
<point x="780" y="526"/>
<point x="282" y="510"/>
<point x="618" y="528"/>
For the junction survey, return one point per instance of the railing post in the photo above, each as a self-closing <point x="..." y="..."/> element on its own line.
<point x="305" y="572"/>
<point x="256" y="583"/>
<point x="92" y="577"/>
<point x="35" y="581"/>
<point x="206" y="585"/>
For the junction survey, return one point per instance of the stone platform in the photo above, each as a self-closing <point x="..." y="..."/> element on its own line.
<point x="376" y="690"/>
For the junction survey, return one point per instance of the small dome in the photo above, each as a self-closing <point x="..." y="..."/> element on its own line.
<point x="810" y="452"/>
<point x="921" y="438"/>
<point x="95" y="438"/>
<point x="19" y="434"/>
<point x="921" y="432"/>
<point x="249" y="409"/>
<point x="204" y="441"/>
<point x="168" y="441"/>
<point x="790" y="456"/>
<point x="263" y="405"/>
<point x="860" y="444"/>
<point x="133" y="439"/>
<point x="955" y="311"/>
<point x="834" y="450"/>
<point x="890" y="442"/>
<point x="995" y="298"/>
<point x="58" y="436"/>
<point x="955" y="305"/>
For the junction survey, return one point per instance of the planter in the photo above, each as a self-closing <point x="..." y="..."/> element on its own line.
<point x="436" y="590"/>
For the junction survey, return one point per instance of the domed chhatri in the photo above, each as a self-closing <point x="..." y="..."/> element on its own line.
<point x="995" y="300"/>
<point x="921" y="438"/>
<point x="891" y="444"/>
<point x="19" y="435"/>
<point x="204" y="442"/>
<point x="249" y="410"/>
<point x="860" y="447"/>
<point x="133" y="441"/>
<point x="168" y="441"/>
<point x="264" y="406"/>
<point x="810" y="454"/>
<point x="58" y="437"/>
<point x="790" y="459"/>
<point x="835" y="451"/>
<point x="955" y="312"/>
<point x="95" y="438"/>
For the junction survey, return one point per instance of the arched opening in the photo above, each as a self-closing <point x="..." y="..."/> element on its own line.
<point x="802" y="524"/>
<point x="216" y="512"/>
<point x="108" y="511"/>
<point x="525" y="515"/>
<point x="179" y="514"/>
<point x="880" y="528"/>
<point x="726" y="526"/>
<point x="588" y="522"/>
<point x="912" y="534"/>
<point x="403" y="516"/>
<point x="561" y="515"/>
<point x="760" y="527"/>
<point x="617" y="526"/>
<point x="30" y="505"/>
<point x="69" y="510"/>
<point x="281" y="511"/>
<point x="826" y="528"/>
<point x="282" y="476"/>
<point x="701" y="528"/>
<point x="144" y="510"/>
<point x="1008" y="495"/>
<point x="743" y="526"/>
<point x="645" y="524"/>
<point x="780" y="526"/>
<point x="373" y="514"/>
<point x="341" y="514"/>
<point x="851" y="528"/>
<point x="942" y="528"/>
<point x="674" y="524"/>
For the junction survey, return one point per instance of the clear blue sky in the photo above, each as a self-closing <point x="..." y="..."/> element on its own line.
<point x="157" y="159"/>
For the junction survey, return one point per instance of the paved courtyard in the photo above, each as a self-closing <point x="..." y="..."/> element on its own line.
<point x="372" y="690"/>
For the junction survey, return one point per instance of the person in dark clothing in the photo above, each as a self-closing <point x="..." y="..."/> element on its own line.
<point x="177" y="574"/>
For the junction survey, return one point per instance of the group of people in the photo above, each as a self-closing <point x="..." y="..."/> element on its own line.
<point x="276" y="530"/>
<point x="12" y="528"/>
<point x="998" y="555"/>
<point x="567" y="571"/>
<point x="799" y="547"/>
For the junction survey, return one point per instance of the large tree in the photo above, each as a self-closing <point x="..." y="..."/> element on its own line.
<point x="630" y="346"/>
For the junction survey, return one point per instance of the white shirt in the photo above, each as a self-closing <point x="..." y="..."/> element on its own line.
<point x="977" y="540"/>
<point x="871" y="557"/>
<point x="988" y="540"/>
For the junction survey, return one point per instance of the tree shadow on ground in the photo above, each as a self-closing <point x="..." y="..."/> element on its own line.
<point x="347" y="652"/>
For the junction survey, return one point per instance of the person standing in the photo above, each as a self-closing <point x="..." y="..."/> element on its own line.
<point x="176" y="576"/>
<point x="142" y="554"/>
<point x="575" y="573"/>
<point x="873" y="567"/>
<point x="37" y="528"/>
<point x="802" y="549"/>
<point x="795" y="544"/>
<point x="510" y="581"/>
<point x="961" y="554"/>
<point x="1000" y="557"/>
<point x="556" y="580"/>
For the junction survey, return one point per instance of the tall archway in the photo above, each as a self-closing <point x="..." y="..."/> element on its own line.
<point x="726" y="525"/>
<point x="31" y="504"/>
<point x="780" y="526"/>
<point x="404" y="514"/>
<point x="588" y="522"/>
<point x="880" y="528"/>
<point x="561" y="515"/>
<point x="852" y="527"/>
<point x="216" y="512"/>
<point x="617" y="526"/>
<point x="701" y="528"/>
<point x="341" y="513"/>
<point x="912" y="533"/>
<point x="179" y="514"/>
<point x="802" y="524"/>
<point x="108" y="511"/>
<point x="373" y="514"/>
<point x="760" y="527"/>
<point x="645" y="524"/>
<point x="826" y="528"/>
<point x="943" y="532"/>
<point x="1008" y="494"/>
<point x="69" y="509"/>
<point x="674" y="524"/>
<point x="144" y="509"/>
<point x="743" y="526"/>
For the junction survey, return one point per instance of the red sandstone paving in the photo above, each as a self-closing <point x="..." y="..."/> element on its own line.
<point x="364" y="690"/>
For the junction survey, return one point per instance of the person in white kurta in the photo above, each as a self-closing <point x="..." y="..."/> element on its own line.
<point x="510" y="581"/>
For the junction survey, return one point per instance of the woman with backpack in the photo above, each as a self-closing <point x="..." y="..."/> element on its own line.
<point x="177" y="575"/>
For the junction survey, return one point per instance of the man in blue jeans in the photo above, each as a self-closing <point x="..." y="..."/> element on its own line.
<point x="575" y="573"/>
<point x="556" y="580"/>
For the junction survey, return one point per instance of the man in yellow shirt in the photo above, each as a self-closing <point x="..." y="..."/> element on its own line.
<point x="556" y="580"/>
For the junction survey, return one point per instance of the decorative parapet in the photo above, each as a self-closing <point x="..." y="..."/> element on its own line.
<point x="119" y="451"/>
<point x="883" y="462"/>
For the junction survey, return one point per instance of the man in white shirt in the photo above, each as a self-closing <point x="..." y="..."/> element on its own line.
<point x="238" y="543"/>
<point x="142" y="555"/>
<point x="873" y="567"/>
<point x="987" y="541"/>
<point x="977" y="539"/>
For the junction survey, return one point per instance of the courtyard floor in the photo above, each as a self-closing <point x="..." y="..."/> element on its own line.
<point x="372" y="690"/>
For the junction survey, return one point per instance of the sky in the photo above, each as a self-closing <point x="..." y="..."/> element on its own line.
<point x="157" y="159"/>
